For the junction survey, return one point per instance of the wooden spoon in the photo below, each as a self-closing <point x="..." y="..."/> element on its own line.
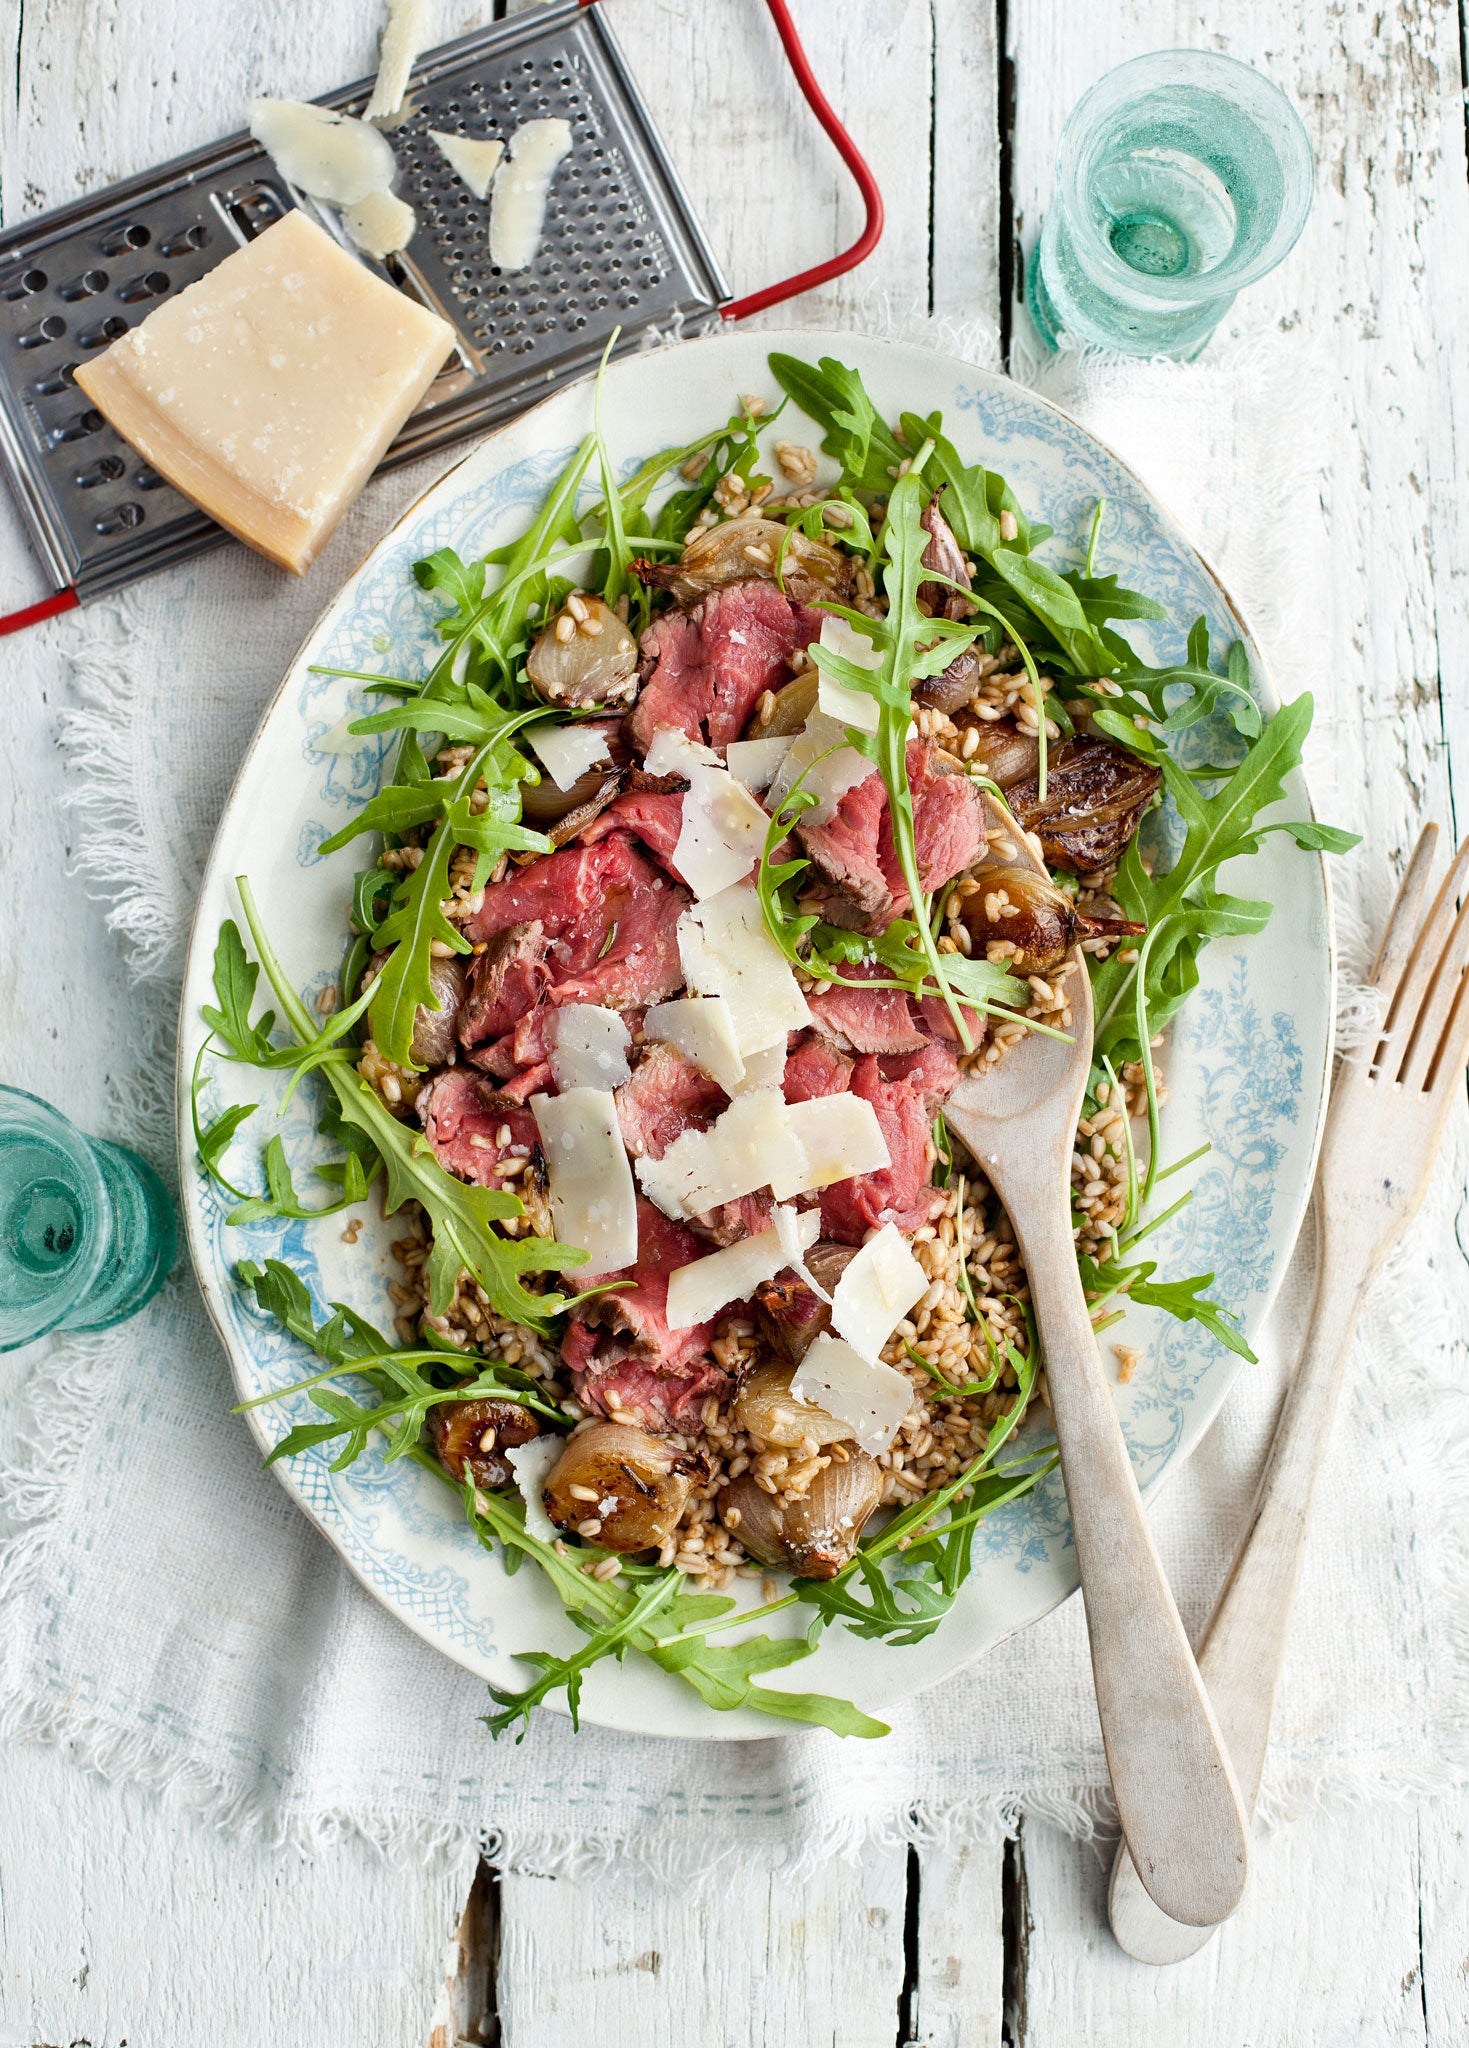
<point x="1179" y="1806"/>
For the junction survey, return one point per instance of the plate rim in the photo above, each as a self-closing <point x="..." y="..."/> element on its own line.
<point x="605" y="1714"/>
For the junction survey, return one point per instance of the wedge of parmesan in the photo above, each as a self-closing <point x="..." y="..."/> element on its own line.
<point x="532" y="1465"/>
<point x="876" y="1290"/>
<point x="870" y="1399"/>
<point x="473" y="159"/>
<point x="588" y="1047"/>
<point x="697" y="1292"/>
<point x="756" y="762"/>
<point x="522" y="187"/>
<point x="269" y="391"/>
<point x="751" y="1146"/>
<point x="380" y="225"/>
<point x="847" y="707"/>
<point x="328" y="155"/>
<point x="593" y="1202"/>
<point x="839" y="1137"/>
<point x="404" y="39"/>
<point x="566" y="752"/>
<point x="820" y="761"/>
<point x="702" y="1029"/>
<point x="726" y="951"/>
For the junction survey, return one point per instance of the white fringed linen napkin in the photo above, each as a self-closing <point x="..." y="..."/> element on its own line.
<point x="167" y="1612"/>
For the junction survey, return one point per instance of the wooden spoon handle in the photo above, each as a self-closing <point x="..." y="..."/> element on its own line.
<point x="1180" y="1808"/>
<point x="1243" y="1648"/>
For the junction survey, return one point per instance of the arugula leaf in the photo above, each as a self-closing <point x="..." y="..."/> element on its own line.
<point x="834" y="396"/>
<point x="1181" y="1298"/>
<point x="559" y="1672"/>
<point x="235" y="979"/>
<point x="281" y="1198"/>
<point x="410" y="929"/>
<point x="462" y="582"/>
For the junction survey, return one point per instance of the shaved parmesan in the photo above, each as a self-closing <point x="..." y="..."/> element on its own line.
<point x="876" y="1291"/>
<point x="696" y="1293"/>
<point x="532" y="1465"/>
<point x="329" y="155"/>
<point x="756" y="762"/>
<point x="473" y="159"/>
<point x="567" y="751"/>
<point x="702" y="1029"/>
<point x="521" y="189"/>
<point x="839" y="1136"/>
<point x="588" y="1047"/>
<point x="750" y="1147"/>
<point x="822" y="762"/>
<point x="790" y="1225"/>
<point x="672" y="752"/>
<point x="722" y="828"/>
<point x="763" y="1069"/>
<point x="593" y="1202"/>
<point x="870" y="1399"/>
<point x="380" y="225"/>
<point x="726" y="951"/>
<point x="847" y="707"/>
<point x="405" y="36"/>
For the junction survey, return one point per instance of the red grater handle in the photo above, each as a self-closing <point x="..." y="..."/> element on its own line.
<point x="851" y="156"/>
<point x="32" y="615"/>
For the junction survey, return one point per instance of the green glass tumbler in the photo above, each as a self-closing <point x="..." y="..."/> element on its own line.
<point x="1182" y="177"/>
<point x="87" y="1229"/>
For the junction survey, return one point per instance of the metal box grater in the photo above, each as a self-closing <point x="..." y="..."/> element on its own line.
<point x="621" y="248"/>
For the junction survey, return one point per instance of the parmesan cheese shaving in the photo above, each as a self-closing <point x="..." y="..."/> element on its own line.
<point x="672" y="752"/>
<point x="473" y="159"/>
<point x="697" y="1292"/>
<point x="726" y="951"/>
<point x="756" y="762"/>
<point x="822" y="762"/>
<point x="870" y="1399"/>
<point x="789" y="1225"/>
<point x="588" y="1047"/>
<point x="847" y="707"/>
<point x="876" y="1291"/>
<point x="763" y="1069"/>
<point x="329" y="155"/>
<point x="702" y="1029"/>
<point x="566" y="752"/>
<point x="380" y="225"/>
<point x="751" y="1146"/>
<point x="532" y="1465"/>
<point x="721" y="833"/>
<point x="839" y="1136"/>
<point x="593" y="1202"/>
<point x="404" y="38"/>
<point x="521" y="189"/>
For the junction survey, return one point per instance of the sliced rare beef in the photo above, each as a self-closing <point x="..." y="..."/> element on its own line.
<point x="609" y="919"/>
<point x="506" y="980"/>
<point x="665" y="1095"/>
<point x="619" y="1348"/>
<point x="813" y="1067"/>
<point x="933" y="1073"/>
<point x="791" y="1316"/>
<point x="705" y="670"/>
<point x="733" y="1222"/>
<point x="866" y="1019"/>
<point x="470" y="1438"/>
<point x="656" y="817"/>
<point x="899" y="1192"/>
<point x="471" y="1131"/>
<point x="854" y="850"/>
<point x="1095" y="798"/>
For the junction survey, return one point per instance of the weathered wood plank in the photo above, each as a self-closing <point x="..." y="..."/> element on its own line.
<point x="122" y="1919"/>
<point x="1443" y="1895"/>
<point x="958" y="1989"/>
<point x="738" y="1962"/>
<point x="1324" y="1950"/>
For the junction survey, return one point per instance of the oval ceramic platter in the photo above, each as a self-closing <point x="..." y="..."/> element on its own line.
<point x="1246" y="1065"/>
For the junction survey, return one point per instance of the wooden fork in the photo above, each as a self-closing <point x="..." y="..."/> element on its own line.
<point x="1383" y="1132"/>
<point x="1176" y="1795"/>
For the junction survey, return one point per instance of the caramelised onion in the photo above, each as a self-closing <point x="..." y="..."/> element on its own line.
<point x="814" y="1536"/>
<point x="596" y="662"/>
<point x="1018" y="909"/>
<point x="1003" y="752"/>
<point x="794" y="703"/>
<point x="943" y="554"/>
<point x="766" y="1408"/>
<point x="434" y="1037"/>
<point x="472" y="1437"/>
<point x="1096" y="794"/>
<point x="747" y="550"/>
<point x="791" y="1316"/>
<point x="633" y="1485"/>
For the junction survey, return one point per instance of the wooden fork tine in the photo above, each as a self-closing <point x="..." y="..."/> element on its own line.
<point x="1424" y="958"/>
<point x="1447" y="1053"/>
<point x="1402" y="923"/>
<point x="1427" y="1033"/>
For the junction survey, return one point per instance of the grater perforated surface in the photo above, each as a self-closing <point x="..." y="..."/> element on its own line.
<point x="621" y="248"/>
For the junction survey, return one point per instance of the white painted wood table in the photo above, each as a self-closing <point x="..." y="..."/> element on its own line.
<point x="122" y="1921"/>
